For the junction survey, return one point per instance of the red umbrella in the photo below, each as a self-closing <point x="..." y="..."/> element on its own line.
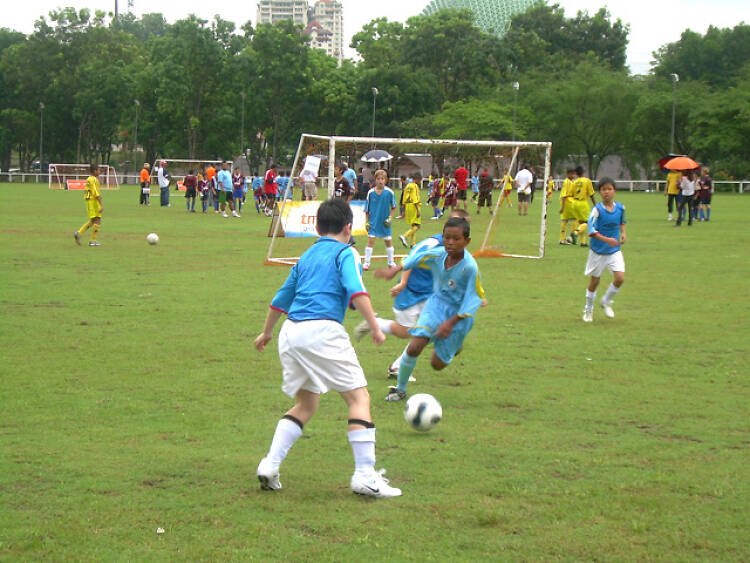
<point x="682" y="163"/>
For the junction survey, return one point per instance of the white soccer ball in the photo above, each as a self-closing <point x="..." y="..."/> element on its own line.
<point x="152" y="238"/>
<point x="423" y="412"/>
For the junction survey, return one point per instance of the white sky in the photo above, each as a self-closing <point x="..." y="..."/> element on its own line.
<point x="652" y="23"/>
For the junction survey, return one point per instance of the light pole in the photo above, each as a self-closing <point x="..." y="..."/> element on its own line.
<point x="242" y="125"/>
<point x="135" y="137"/>
<point x="41" y="136"/>
<point x="516" y="86"/>
<point x="675" y="80"/>
<point x="374" y="97"/>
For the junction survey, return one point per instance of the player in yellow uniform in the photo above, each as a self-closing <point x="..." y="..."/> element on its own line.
<point x="566" y="206"/>
<point x="583" y="190"/>
<point x="507" y="184"/>
<point x="93" y="199"/>
<point x="412" y="213"/>
<point x="673" y="190"/>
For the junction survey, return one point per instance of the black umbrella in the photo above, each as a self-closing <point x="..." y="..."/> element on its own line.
<point x="376" y="155"/>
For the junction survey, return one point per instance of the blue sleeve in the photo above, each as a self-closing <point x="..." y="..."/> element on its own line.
<point x="474" y="293"/>
<point x="594" y="220"/>
<point x="622" y="216"/>
<point x="426" y="257"/>
<point x="367" y="202"/>
<point x="284" y="297"/>
<point x="350" y="272"/>
<point x="393" y="200"/>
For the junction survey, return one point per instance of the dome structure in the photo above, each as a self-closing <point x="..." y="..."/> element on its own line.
<point x="492" y="16"/>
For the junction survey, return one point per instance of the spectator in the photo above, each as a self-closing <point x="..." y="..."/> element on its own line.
<point x="146" y="184"/>
<point x="163" y="178"/>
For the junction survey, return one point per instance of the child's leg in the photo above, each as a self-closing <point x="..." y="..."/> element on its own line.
<point x="708" y="212"/>
<point x="390" y="252"/>
<point x="361" y="429"/>
<point x="368" y="250"/>
<point x="95" y="230"/>
<point x="85" y="227"/>
<point x="591" y="293"/>
<point x="563" y="229"/>
<point x="409" y="360"/>
<point x="614" y="287"/>
<point x="290" y="427"/>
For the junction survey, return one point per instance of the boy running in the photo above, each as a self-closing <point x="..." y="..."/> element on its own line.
<point x="606" y="226"/>
<point x="448" y="314"/>
<point x="94" y="208"/>
<point x="435" y="192"/>
<point x="315" y="351"/>
<point x="507" y="183"/>
<point x="412" y="211"/>
<point x="566" y="206"/>
<point x="379" y="205"/>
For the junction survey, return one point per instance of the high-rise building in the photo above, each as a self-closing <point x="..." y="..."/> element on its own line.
<point x="330" y="15"/>
<point x="493" y="16"/>
<point x="272" y="11"/>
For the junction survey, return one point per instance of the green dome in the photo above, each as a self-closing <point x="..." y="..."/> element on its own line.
<point x="493" y="16"/>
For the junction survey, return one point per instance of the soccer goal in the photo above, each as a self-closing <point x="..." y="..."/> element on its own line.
<point x="178" y="168"/>
<point x="502" y="233"/>
<point x="73" y="176"/>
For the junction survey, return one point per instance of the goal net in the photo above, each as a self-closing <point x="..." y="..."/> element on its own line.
<point x="73" y="176"/>
<point x="178" y="168"/>
<point x="501" y="233"/>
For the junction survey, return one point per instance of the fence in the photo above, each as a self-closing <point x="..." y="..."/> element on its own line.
<point x="733" y="186"/>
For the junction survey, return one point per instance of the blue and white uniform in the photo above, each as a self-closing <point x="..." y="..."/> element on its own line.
<point x="224" y="178"/>
<point x="409" y="304"/>
<point x="351" y="177"/>
<point x="315" y="351"/>
<point x="283" y="183"/>
<point x="456" y="291"/>
<point x="378" y="206"/>
<point x="475" y="184"/>
<point x="601" y="255"/>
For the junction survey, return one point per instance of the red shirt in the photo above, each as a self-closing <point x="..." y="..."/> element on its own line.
<point x="461" y="175"/>
<point x="269" y="181"/>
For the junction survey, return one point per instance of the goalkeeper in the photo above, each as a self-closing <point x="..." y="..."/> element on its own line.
<point x="379" y="205"/>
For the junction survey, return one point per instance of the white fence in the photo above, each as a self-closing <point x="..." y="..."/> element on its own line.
<point x="734" y="186"/>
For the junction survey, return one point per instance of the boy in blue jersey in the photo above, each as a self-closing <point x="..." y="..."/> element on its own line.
<point x="283" y="182"/>
<point x="606" y="225"/>
<point x="379" y="205"/>
<point x="258" y="195"/>
<point x="475" y="186"/>
<point x="315" y="351"/>
<point x="449" y="312"/>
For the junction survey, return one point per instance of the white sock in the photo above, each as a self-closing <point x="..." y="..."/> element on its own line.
<point x="287" y="433"/>
<point x="384" y="324"/>
<point x="389" y="251"/>
<point x="363" y="447"/>
<point x="590" y="297"/>
<point x="610" y="294"/>
<point x="368" y="255"/>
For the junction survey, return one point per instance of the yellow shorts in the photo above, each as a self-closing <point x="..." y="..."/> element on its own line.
<point x="568" y="212"/>
<point x="93" y="209"/>
<point x="411" y="215"/>
<point x="581" y="210"/>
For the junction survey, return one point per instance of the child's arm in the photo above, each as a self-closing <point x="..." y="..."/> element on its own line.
<point x="623" y="236"/>
<point x="446" y="327"/>
<point x="399" y="287"/>
<point x="388" y="273"/>
<point x="362" y="304"/>
<point x="265" y="337"/>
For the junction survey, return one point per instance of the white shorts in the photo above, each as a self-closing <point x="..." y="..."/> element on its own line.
<point x="597" y="263"/>
<point x="408" y="317"/>
<point x="318" y="356"/>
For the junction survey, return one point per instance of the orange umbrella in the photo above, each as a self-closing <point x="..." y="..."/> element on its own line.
<point x="682" y="163"/>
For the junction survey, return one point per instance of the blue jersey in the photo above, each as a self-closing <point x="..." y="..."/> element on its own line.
<point x="420" y="284"/>
<point x="378" y="206"/>
<point x="225" y="180"/>
<point x="283" y="182"/>
<point x="606" y="223"/>
<point x="475" y="184"/>
<point x="257" y="183"/>
<point x="458" y="289"/>
<point x="351" y="177"/>
<point x="322" y="283"/>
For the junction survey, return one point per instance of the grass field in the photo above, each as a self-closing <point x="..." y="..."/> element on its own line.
<point x="132" y="399"/>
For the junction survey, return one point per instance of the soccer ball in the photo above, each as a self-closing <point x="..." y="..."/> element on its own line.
<point x="423" y="412"/>
<point x="152" y="238"/>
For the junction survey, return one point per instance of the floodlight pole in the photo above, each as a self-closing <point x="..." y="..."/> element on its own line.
<point x="375" y="93"/>
<point x="135" y="139"/>
<point x="516" y="85"/>
<point x="675" y="80"/>
<point x="41" y="136"/>
<point x="242" y="126"/>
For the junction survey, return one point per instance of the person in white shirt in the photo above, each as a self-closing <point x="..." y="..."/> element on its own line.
<point x="163" y="178"/>
<point x="687" y="197"/>
<point x="523" y="181"/>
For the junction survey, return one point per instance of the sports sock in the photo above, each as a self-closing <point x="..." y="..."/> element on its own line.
<point x="610" y="294"/>
<point x="363" y="448"/>
<point x="85" y="227"/>
<point x="590" y="297"/>
<point x="287" y="433"/>
<point x="384" y="324"/>
<point x="187" y="204"/>
<point x="368" y="255"/>
<point x="414" y="235"/>
<point x="405" y="370"/>
<point x="708" y="214"/>
<point x="563" y="229"/>
<point x="389" y="252"/>
<point x="397" y="362"/>
<point x="702" y="214"/>
<point x="94" y="232"/>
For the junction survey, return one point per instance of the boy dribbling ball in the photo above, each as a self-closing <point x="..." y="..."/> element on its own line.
<point x="606" y="229"/>
<point x="316" y="353"/>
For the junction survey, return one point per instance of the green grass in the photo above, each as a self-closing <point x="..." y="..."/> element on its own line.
<point x="132" y="399"/>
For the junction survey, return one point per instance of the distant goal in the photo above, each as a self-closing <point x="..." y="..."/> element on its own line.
<point x="73" y="176"/>
<point x="504" y="233"/>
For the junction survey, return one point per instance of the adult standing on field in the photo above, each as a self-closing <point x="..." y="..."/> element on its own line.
<point x="163" y="178"/>
<point x="672" y="191"/>
<point x="145" y="184"/>
<point x="523" y="181"/>
<point x="688" y="185"/>
<point x="462" y="175"/>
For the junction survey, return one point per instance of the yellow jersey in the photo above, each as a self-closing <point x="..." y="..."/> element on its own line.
<point x="92" y="188"/>
<point x="673" y="182"/>
<point x="507" y="182"/>
<point x="582" y="189"/>
<point x="411" y="194"/>
<point x="567" y="188"/>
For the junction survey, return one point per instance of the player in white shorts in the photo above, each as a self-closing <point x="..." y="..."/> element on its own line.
<point x="315" y="351"/>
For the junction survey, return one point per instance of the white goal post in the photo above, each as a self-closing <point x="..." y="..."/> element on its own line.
<point x="496" y="153"/>
<point x="73" y="176"/>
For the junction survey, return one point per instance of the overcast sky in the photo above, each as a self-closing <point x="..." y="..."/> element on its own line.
<point x="652" y="23"/>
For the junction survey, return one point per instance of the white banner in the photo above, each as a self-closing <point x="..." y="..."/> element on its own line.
<point x="312" y="167"/>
